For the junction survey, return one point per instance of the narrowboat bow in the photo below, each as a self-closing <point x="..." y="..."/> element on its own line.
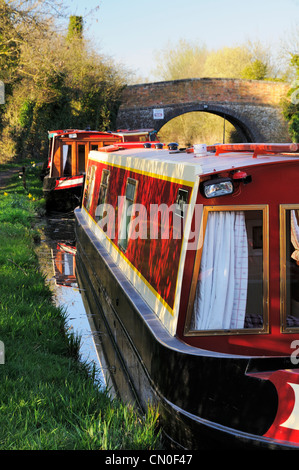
<point x="189" y="264"/>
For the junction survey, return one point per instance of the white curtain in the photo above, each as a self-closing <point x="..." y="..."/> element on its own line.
<point x="65" y="149"/>
<point x="221" y="292"/>
<point x="295" y="235"/>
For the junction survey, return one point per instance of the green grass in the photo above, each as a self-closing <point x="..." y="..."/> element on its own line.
<point x="48" y="398"/>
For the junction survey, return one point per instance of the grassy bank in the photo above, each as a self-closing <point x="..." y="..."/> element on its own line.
<point x="48" y="399"/>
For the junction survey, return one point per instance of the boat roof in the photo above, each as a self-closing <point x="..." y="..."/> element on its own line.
<point x="186" y="165"/>
<point x="134" y="131"/>
<point x="67" y="132"/>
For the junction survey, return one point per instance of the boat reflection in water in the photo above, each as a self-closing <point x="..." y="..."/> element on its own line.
<point x="80" y="320"/>
<point x="58" y="262"/>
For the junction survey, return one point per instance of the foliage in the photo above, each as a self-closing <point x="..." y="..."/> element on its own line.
<point x="189" y="60"/>
<point x="291" y="105"/>
<point x="256" y="70"/>
<point x="294" y="127"/>
<point x="227" y="62"/>
<point x="75" y="28"/>
<point x="56" y="80"/>
<point x="184" y="60"/>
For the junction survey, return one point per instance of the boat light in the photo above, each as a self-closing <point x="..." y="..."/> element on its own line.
<point x="173" y="146"/>
<point x="239" y="175"/>
<point x="72" y="136"/>
<point x="217" y="187"/>
<point x="200" y="150"/>
<point x="242" y="176"/>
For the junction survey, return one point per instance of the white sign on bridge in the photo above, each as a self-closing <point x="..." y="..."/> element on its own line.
<point x="158" y="113"/>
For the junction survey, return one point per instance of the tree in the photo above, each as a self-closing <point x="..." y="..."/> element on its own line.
<point x="75" y="29"/>
<point x="184" y="60"/>
<point x="255" y="70"/>
<point x="189" y="60"/>
<point x="227" y="62"/>
<point x="57" y="80"/>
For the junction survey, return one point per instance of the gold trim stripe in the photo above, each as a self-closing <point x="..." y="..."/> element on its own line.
<point x="145" y="173"/>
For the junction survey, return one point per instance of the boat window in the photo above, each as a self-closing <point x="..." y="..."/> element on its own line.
<point x="81" y="158"/>
<point x="229" y="291"/>
<point x="67" y="160"/>
<point x="290" y="267"/>
<point x="153" y="136"/>
<point x="94" y="147"/>
<point x="89" y="186"/>
<point x="99" y="213"/>
<point x="126" y="217"/>
<point x="181" y="201"/>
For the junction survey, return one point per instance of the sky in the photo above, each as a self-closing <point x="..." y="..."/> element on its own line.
<point x="132" y="31"/>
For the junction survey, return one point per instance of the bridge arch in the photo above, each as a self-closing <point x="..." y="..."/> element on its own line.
<point x="246" y="128"/>
<point x="253" y="107"/>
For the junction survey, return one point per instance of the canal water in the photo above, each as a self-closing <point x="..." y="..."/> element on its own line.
<point x="57" y="261"/>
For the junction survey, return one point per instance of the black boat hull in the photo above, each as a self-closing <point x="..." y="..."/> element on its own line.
<point x="61" y="200"/>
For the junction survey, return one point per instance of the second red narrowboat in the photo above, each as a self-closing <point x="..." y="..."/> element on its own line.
<point x="189" y="262"/>
<point x="68" y="151"/>
<point x="67" y="158"/>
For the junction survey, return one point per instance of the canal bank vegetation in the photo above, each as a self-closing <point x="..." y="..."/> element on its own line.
<point x="49" y="399"/>
<point x="54" y="77"/>
<point x="291" y="105"/>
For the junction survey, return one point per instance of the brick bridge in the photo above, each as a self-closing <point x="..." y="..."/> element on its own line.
<point x="252" y="106"/>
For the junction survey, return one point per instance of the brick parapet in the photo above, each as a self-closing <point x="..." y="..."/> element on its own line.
<point x="212" y="90"/>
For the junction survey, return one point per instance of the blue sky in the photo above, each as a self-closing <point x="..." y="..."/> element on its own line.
<point x="130" y="31"/>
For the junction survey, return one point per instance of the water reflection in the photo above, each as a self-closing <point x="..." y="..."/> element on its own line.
<point x="57" y="259"/>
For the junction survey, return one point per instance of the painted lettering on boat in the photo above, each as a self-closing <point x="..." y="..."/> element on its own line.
<point x="286" y="423"/>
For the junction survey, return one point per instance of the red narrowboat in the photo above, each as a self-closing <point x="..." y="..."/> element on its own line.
<point x="189" y="262"/>
<point x="67" y="157"/>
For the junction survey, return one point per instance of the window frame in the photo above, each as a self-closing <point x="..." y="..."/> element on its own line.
<point x="181" y="211"/>
<point x="283" y="208"/>
<point x="264" y="208"/>
<point x="123" y="215"/>
<point x="78" y="161"/>
<point x="89" y="186"/>
<point x="69" y="159"/>
<point x="104" y="185"/>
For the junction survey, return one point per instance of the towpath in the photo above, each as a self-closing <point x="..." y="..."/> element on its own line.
<point x="6" y="175"/>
